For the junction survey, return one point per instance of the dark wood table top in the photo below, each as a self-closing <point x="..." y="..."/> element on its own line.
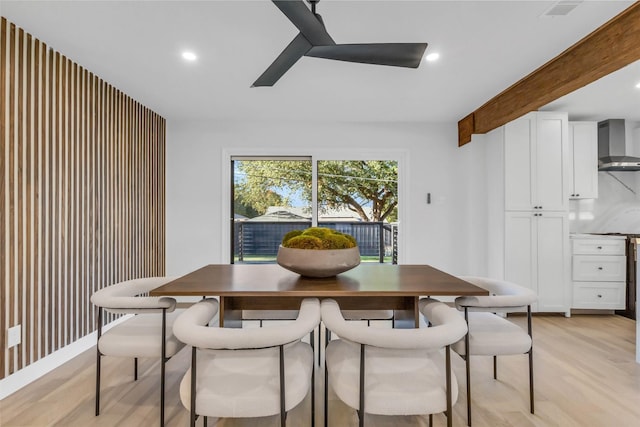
<point x="269" y="280"/>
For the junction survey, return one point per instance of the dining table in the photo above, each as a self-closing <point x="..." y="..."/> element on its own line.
<point x="369" y="286"/>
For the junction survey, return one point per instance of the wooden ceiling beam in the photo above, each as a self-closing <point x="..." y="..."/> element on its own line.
<point x="609" y="48"/>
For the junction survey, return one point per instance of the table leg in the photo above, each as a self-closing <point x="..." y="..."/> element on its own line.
<point x="230" y="317"/>
<point x="409" y="316"/>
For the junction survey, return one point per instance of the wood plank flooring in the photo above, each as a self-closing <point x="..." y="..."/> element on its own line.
<point x="585" y="375"/>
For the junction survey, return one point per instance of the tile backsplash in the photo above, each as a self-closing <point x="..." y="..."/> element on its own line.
<point x="616" y="210"/>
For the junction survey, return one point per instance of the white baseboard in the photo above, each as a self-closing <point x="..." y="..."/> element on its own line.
<point x="27" y="375"/>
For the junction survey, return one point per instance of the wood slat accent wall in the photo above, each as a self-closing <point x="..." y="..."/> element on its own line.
<point x="82" y="195"/>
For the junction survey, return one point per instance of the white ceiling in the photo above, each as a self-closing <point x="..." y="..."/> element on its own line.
<point x="485" y="47"/>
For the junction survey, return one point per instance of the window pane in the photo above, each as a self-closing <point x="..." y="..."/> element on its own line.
<point x="360" y="197"/>
<point x="270" y="198"/>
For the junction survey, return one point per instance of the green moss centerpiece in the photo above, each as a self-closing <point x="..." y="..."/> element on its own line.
<point x="318" y="252"/>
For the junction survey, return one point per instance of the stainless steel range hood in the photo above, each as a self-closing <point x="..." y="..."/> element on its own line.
<point x="611" y="148"/>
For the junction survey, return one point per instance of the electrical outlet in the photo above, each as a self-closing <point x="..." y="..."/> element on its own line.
<point x="14" y="336"/>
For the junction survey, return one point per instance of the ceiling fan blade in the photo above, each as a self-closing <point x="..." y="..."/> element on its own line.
<point x="305" y="21"/>
<point x="289" y="56"/>
<point x="393" y="54"/>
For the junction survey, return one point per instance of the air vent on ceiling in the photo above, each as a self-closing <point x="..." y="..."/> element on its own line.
<point x="562" y="8"/>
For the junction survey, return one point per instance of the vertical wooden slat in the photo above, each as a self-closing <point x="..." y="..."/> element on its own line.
<point x="57" y="235"/>
<point x="82" y="195"/>
<point x="37" y="203"/>
<point x="11" y="192"/>
<point x="79" y="325"/>
<point x="71" y="214"/>
<point x="49" y="330"/>
<point x="27" y="320"/>
<point x="63" y="203"/>
<point x="83" y="164"/>
<point x="90" y="191"/>
<point x="46" y="203"/>
<point x="4" y="145"/>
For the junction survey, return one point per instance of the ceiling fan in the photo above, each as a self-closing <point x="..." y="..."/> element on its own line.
<point x="313" y="40"/>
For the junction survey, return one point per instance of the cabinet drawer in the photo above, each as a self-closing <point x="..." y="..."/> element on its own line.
<point x="599" y="268"/>
<point x="598" y="247"/>
<point x="595" y="295"/>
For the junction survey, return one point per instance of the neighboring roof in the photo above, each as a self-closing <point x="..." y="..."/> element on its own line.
<point x="283" y="213"/>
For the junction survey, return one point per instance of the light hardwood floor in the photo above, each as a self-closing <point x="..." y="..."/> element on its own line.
<point x="585" y="375"/>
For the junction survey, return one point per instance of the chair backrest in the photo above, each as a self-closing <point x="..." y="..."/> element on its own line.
<point x="448" y="327"/>
<point x="191" y="328"/>
<point x="129" y="297"/>
<point x="504" y="296"/>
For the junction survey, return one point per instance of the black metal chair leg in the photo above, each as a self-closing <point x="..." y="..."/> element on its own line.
<point x="313" y="382"/>
<point x="327" y="338"/>
<point x="98" y="358"/>
<point x="319" y="344"/>
<point x="495" y="367"/>
<point x="362" y="366"/>
<point x="430" y="420"/>
<point x="135" y="369"/>
<point x="530" y="359"/>
<point x="163" y="362"/>
<point x="448" y="386"/>
<point x="192" y="415"/>
<point x="467" y="360"/>
<point x="283" y="412"/>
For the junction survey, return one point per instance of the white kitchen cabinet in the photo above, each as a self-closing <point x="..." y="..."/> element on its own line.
<point x="528" y="233"/>
<point x="536" y="250"/>
<point x="598" y="295"/>
<point x="583" y="167"/>
<point x="536" y="162"/>
<point x="591" y="244"/>
<point x="599" y="269"/>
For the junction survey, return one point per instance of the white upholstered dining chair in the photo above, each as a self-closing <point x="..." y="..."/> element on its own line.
<point x="148" y="334"/>
<point x="246" y="372"/>
<point x="490" y="333"/>
<point x="393" y="371"/>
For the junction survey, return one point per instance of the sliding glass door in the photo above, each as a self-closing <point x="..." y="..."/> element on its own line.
<point x="274" y="195"/>
<point x="360" y="197"/>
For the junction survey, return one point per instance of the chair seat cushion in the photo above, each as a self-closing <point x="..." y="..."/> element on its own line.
<point x="246" y="383"/>
<point x="139" y="336"/>
<point x="397" y="381"/>
<point x="492" y="335"/>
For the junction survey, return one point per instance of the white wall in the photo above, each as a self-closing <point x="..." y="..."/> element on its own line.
<point x="440" y="234"/>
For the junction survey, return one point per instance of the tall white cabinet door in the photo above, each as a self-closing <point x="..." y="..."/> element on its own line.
<point x="537" y="256"/>
<point x="518" y="138"/>
<point x="550" y="182"/>
<point x="583" y="145"/>
<point x="553" y="256"/>
<point x="520" y="242"/>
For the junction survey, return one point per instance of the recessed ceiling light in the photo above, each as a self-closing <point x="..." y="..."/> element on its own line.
<point x="638" y="85"/>
<point x="189" y="56"/>
<point x="432" y="57"/>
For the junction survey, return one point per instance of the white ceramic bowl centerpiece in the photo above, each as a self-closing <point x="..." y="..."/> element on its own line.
<point x="318" y="252"/>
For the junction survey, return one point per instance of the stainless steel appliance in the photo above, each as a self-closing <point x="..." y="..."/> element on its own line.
<point x="612" y="152"/>
<point x="633" y="241"/>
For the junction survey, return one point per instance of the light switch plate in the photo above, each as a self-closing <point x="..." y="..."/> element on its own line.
<point x="14" y="336"/>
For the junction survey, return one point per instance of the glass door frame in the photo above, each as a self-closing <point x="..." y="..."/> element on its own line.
<point x="315" y="155"/>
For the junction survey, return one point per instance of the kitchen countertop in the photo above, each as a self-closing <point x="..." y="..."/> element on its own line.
<point x="596" y="236"/>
